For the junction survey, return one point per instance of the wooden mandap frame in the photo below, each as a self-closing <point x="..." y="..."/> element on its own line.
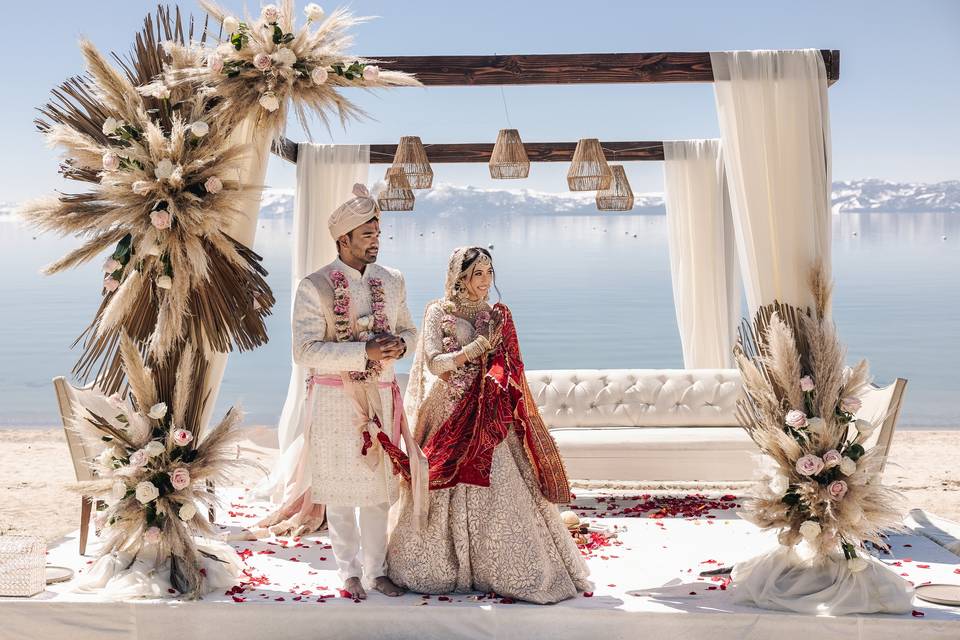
<point x="576" y="68"/>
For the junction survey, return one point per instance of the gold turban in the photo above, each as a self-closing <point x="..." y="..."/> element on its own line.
<point x="354" y="212"/>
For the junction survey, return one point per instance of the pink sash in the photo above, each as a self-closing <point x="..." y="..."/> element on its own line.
<point x="337" y="381"/>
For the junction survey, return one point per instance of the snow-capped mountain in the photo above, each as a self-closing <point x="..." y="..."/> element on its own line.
<point x="444" y="200"/>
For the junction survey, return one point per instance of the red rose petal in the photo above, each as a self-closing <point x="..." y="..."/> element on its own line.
<point x="589" y="594"/>
<point x="917" y="614"/>
<point x="923" y="566"/>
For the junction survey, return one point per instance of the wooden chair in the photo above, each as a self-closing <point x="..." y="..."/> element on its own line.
<point x="882" y="405"/>
<point x="81" y="455"/>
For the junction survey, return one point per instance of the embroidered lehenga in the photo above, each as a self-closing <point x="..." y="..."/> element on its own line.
<point x="492" y="524"/>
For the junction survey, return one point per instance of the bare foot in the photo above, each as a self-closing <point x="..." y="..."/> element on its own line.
<point x="385" y="585"/>
<point x="355" y="589"/>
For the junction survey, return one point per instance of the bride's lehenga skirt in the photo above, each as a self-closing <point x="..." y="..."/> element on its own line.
<point x="505" y="538"/>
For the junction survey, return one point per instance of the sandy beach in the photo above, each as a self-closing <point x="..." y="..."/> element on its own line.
<point x="36" y="473"/>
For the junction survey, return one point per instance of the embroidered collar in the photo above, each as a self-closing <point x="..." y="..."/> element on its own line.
<point x="350" y="272"/>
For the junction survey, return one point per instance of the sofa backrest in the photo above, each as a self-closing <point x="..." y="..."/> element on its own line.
<point x="593" y="398"/>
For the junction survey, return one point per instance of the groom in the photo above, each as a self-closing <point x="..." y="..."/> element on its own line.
<point x="350" y="323"/>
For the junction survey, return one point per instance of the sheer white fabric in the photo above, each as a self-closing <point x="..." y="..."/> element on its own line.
<point x="325" y="177"/>
<point x="706" y="292"/>
<point x="775" y="132"/>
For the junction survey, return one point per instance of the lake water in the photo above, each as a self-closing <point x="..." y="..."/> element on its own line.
<point x="586" y="291"/>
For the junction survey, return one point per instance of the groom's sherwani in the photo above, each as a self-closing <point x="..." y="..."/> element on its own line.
<point x="341" y="477"/>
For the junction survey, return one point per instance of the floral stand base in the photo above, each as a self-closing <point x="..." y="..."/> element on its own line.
<point x="123" y="577"/>
<point x="783" y="580"/>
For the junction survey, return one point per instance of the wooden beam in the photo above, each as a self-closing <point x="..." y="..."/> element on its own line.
<point x="480" y="152"/>
<point x="568" y="68"/>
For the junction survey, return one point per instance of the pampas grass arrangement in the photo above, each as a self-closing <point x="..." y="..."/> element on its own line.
<point x="798" y="407"/>
<point x="153" y="473"/>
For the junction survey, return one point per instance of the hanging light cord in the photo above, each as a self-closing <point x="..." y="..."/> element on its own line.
<point x="503" y="97"/>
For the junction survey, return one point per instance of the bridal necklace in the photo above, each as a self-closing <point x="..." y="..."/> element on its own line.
<point x="469" y="309"/>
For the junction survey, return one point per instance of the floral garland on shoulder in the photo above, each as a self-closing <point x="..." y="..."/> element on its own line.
<point x="369" y="325"/>
<point x="461" y="377"/>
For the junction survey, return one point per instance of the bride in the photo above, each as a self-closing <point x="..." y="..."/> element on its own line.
<point x="490" y="521"/>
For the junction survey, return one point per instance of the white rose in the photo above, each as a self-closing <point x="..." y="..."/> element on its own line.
<point x="371" y="73"/>
<point x="147" y="492"/>
<point x="319" y="75"/>
<point x="845" y="375"/>
<point x="140" y="187"/>
<point x="269" y="101"/>
<point x="225" y="49"/>
<point x="199" y="128"/>
<point x="138" y="458"/>
<point x="313" y="12"/>
<point x="111" y="162"/>
<point x="864" y="427"/>
<point x="779" y="484"/>
<point x="165" y="282"/>
<point x="154" y="448"/>
<point x="270" y="13"/>
<point x="187" y="511"/>
<point x="110" y="126"/>
<point x="856" y="564"/>
<point x="848" y="466"/>
<point x="230" y="24"/>
<point x="118" y="490"/>
<point x="163" y="170"/>
<point x="285" y="56"/>
<point x="810" y="530"/>
<point x="158" y="410"/>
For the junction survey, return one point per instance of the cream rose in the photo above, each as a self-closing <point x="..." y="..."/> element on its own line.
<point x="371" y="73"/>
<point x="313" y="11"/>
<point x="199" y="128"/>
<point x="180" y="478"/>
<point x="779" y="484"/>
<point x="111" y="265"/>
<point x="118" y="491"/>
<point x="154" y="448"/>
<point x="285" y="57"/>
<point x="187" y="511"/>
<point x="230" y="24"/>
<point x="213" y="185"/>
<point x="796" y="419"/>
<point x="165" y="282"/>
<point x="158" y="411"/>
<point x="163" y="170"/>
<point x="809" y="465"/>
<point x="319" y="75"/>
<point x="110" y="126"/>
<point x="262" y="61"/>
<point x="138" y="458"/>
<point x="146" y="492"/>
<point x="181" y="437"/>
<point x="832" y="459"/>
<point x="837" y="489"/>
<point x="269" y="101"/>
<point x="111" y="162"/>
<point x="810" y="530"/>
<point x="270" y="13"/>
<point x="848" y="466"/>
<point x="161" y="219"/>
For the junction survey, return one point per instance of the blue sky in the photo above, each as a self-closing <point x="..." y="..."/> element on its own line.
<point x="894" y="111"/>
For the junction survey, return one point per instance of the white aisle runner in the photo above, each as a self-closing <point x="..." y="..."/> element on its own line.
<point x="646" y="585"/>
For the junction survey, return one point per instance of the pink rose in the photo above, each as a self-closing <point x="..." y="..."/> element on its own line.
<point x="111" y="265"/>
<point x="850" y="404"/>
<point x="832" y="459"/>
<point x="837" y="489"/>
<point x="151" y="535"/>
<point x="181" y="437"/>
<point x="270" y="13"/>
<point x="809" y="465"/>
<point x="161" y="219"/>
<point x="262" y="61"/>
<point x="180" y="478"/>
<point x="371" y="73"/>
<point x="806" y="383"/>
<point x="213" y="185"/>
<point x="796" y="419"/>
<point x="215" y="63"/>
<point x="111" y="284"/>
<point x="138" y="458"/>
<point x="111" y="162"/>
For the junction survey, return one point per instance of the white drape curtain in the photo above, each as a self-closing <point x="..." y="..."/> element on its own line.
<point x="775" y="132"/>
<point x="703" y="266"/>
<point x="325" y="178"/>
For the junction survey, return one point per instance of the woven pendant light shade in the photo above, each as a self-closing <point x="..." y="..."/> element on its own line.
<point x="618" y="196"/>
<point x="589" y="170"/>
<point x="412" y="158"/>
<point x="509" y="159"/>
<point x="397" y="196"/>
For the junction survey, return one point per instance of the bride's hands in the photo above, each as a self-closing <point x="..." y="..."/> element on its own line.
<point x="494" y="329"/>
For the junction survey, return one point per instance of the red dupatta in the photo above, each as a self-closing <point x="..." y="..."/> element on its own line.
<point x="461" y="449"/>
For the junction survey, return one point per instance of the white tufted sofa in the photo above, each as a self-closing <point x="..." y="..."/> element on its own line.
<point x="646" y="424"/>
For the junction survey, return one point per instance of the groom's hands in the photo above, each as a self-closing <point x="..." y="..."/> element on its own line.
<point x="385" y="347"/>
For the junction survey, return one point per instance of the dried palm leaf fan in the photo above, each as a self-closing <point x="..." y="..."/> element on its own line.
<point x="412" y="158"/>
<point x="509" y="158"/>
<point x="618" y="196"/>
<point x="589" y="170"/>
<point x="398" y="196"/>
